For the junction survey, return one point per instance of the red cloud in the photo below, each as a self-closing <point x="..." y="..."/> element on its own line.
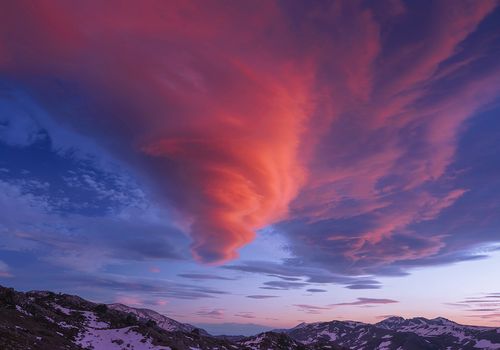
<point x="174" y="90"/>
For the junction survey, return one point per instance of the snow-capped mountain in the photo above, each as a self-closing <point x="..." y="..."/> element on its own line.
<point x="442" y="328"/>
<point x="397" y="333"/>
<point x="41" y="320"/>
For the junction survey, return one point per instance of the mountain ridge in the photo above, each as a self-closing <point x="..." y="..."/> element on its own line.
<point x="43" y="320"/>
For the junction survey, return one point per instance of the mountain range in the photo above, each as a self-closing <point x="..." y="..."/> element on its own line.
<point x="43" y="320"/>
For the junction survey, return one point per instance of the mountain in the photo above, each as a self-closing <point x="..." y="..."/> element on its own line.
<point x="234" y="329"/>
<point x="271" y="340"/>
<point x="397" y="333"/>
<point x="162" y="321"/>
<point x="41" y="320"/>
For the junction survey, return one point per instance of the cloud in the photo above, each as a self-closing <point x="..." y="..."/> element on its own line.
<point x="4" y="270"/>
<point x="366" y="301"/>
<point x="230" y="167"/>
<point x="311" y="309"/>
<point x="380" y="172"/>
<point x="83" y="242"/>
<point x="291" y="272"/>
<point x="247" y="119"/>
<point x="212" y="313"/>
<point x="204" y="276"/>
<point x="485" y="306"/>
<point x="283" y="285"/>
<point x="129" y="300"/>
<point x="364" y="284"/>
<point x="261" y="296"/>
<point x="126" y="286"/>
<point x="17" y="127"/>
<point x="316" y="290"/>
<point x="245" y="315"/>
<point x="286" y="278"/>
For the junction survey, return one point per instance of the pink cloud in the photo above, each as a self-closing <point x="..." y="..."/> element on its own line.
<point x="4" y="270"/>
<point x="129" y="300"/>
<point x="211" y="313"/>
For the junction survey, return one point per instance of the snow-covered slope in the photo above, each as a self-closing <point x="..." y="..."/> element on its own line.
<point x="271" y="340"/>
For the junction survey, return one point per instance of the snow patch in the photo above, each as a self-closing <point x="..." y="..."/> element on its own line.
<point x="116" y="339"/>
<point x="64" y="310"/>
<point x="21" y="310"/>
<point x="384" y="345"/>
<point x="92" y="320"/>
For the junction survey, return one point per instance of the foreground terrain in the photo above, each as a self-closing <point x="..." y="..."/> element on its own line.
<point x="46" y="320"/>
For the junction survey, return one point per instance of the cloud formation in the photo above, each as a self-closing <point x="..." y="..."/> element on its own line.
<point x="261" y="296"/>
<point x="485" y="307"/>
<point x="211" y="313"/>
<point x="245" y="315"/>
<point x="295" y="276"/>
<point x="311" y="309"/>
<point x="203" y="276"/>
<point x="267" y="114"/>
<point x="4" y="270"/>
<point x="366" y="301"/>
<point x="204" y="126"/>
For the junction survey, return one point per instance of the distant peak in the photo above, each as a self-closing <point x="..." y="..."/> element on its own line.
<point x="394" y="318"/>
<point x="300" y="325"/>
<point x="392" y="322"/>
<point x="443" y="320"/>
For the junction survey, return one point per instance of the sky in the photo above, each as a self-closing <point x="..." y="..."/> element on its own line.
<point x="242" y="165"/>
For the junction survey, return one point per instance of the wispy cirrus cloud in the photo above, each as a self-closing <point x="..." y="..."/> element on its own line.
<point x="294" y="275"/>
<point x="211" y="313"/>
<point x="485" y="306"/>
<point x="314" y="309"/>
<point x="366" y="301"/>
<point x="311" y="309"/>
<point x="283" y="285"/>
<point x="261" y="296"/>
<point x="245" y="315"/>
<point x="204" y="276"/>
<point x="316" y="290"/>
